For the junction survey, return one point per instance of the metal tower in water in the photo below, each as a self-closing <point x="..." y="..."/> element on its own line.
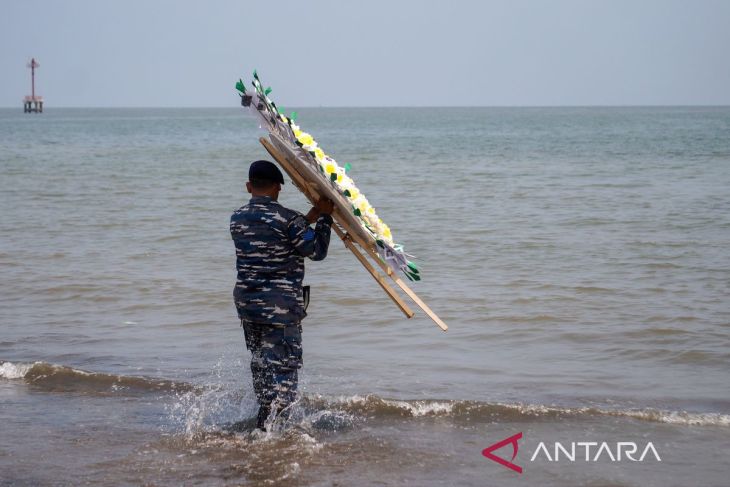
<point x="32" y="103"/>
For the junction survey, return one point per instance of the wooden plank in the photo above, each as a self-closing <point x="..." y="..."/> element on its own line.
<point x="416" y="299"/>
<point x="419" y="302"/>
<point x="373" y="272"/>
<point x="311" y="192"/>
<point x="313" y="196"/>
<point x="312" y="175"/>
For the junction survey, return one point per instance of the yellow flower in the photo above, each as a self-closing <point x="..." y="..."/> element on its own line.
<point x="306" y="139"/>
<point x="369" y="218"/>
<point x="363" y="206"/>
<point x="359" y="202"/>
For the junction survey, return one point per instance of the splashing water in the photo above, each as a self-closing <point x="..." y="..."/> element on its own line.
<point x="225" y="397"/>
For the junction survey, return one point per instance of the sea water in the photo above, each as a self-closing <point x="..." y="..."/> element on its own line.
<point x="579" y="255"/>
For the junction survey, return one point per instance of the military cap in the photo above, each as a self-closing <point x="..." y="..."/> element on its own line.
<point x="265" y="170"/>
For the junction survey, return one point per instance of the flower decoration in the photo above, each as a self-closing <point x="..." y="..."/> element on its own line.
<point x="276" y="121"/>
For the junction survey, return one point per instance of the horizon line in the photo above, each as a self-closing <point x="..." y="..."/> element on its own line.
<point x="685" y="105"/>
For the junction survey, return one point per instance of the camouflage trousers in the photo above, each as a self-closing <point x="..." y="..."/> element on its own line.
<point x="276" y="357"/>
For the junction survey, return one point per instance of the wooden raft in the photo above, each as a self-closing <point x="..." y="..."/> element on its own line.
<point x="354" y="241"/>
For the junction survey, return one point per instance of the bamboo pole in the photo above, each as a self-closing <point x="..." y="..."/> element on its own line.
<point x="312" y="194"/>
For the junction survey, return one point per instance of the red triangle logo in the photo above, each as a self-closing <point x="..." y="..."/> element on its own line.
<point x="487" y="452"/>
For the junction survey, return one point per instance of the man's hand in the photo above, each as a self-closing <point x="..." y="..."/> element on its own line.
<point x="323" y="206"/>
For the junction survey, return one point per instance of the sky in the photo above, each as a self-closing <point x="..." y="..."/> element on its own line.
<point x="150" y="53"/>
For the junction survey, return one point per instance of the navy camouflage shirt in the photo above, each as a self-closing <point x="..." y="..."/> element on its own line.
<point x="271" y="243"/>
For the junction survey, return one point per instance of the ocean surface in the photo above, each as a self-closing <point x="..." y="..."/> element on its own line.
<point x="580" y="256"/>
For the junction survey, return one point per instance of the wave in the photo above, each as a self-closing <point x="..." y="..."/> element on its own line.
<point x="60" y="378"/>
<point x="375" y="406"/>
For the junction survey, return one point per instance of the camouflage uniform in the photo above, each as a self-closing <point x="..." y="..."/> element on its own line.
<point x="271" y="243"/>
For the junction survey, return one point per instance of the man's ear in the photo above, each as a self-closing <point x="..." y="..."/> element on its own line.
<point x="248" y="186"/>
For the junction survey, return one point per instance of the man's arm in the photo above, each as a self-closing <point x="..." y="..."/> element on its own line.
<point x="322" y="206"/>
<point x="308" y="242"/>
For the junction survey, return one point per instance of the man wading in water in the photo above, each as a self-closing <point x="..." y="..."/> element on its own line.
<point x="271" y="243"/>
